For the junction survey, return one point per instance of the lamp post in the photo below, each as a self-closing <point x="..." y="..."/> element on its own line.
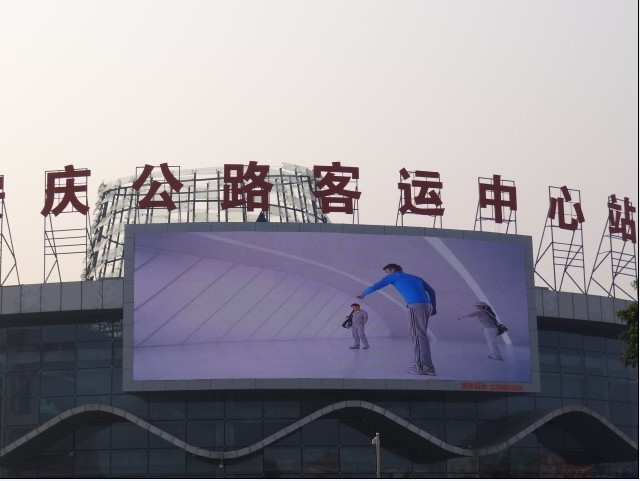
<point x="376" y="442"/>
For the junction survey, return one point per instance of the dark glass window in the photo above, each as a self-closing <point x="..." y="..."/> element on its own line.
<point x="93" y="381"/>
<point x="430" y="409"/>
<point x="551" y="384"/>
<point x="206" y="434"/>
<point x="51" y="407"/>
<point x="572" y="361"/>
<point x="23" y="357"/>
<point x="243" y="405"/>
<point x="58" y="383"/>
<point x="22" y="412"/>
<point x="523" y="461"/>
<point x="461" y="433"/>
<point x="247" y="465"/>
<point x="570" y="340"/>
<point x="174" y="428"/>
<point x="619" y="390"/>
<point x="320" y="432"/>
<point x="125" y="435"/>
<point x="358" y="460"/>
<point x="92" y="464"/>
<point x="22" y="384"/>
<point x="205" y="405"/>
<point x="282" y="460"/>
<point x="574" y="386"/>
<point x="320" y="459"/>
<point x="60" y="355"/>
<point x="94" y="354"/>
<point x="595" y="362"/>
<point x="167" y="461"/>
<point x="19" y="336"/>
<point x="128" y="462"/>
<point x="240" y="434"/>
<point x="549" y="359"/>
<point x="93" y="437"/>
<point x="272" y="426"/>
<point x="132" y="403"/>
<point x="352" y="432"/>
<point x="594" y="343"/>
<point x="166" y="406"/>
<point x="547" y="338"/>
<point x="55" y="465"/>
<point x="56" y="333"/>
<point x="597" y="387"/>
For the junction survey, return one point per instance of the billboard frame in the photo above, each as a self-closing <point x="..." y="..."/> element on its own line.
<point x="129" y="384"/>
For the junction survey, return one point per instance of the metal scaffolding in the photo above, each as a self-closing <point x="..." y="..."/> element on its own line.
<point x="199" y="199"/>
<point x="563" y="240"/>
<point x="618" y="246"/>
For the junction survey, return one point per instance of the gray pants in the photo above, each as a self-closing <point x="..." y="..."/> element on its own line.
<point x="357" y="331"/>
<point x="491" y="335"/>
<point x="418" y="322"/>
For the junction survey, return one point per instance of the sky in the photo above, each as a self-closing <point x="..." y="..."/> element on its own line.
<point x="542" y="92"/>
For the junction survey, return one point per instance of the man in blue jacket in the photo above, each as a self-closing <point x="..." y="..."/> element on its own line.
<point x="421" y="301"/>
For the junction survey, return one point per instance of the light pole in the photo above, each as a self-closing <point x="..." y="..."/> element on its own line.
<point x="376" y="442"/>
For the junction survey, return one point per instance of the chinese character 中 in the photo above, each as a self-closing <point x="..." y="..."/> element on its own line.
<point x="496" y="200"/>
<point x="556" y="206"/>
<point x="426" y="193"/>
<point x="68" y="190"/>
<point x="251" y="183"/>
<point x="332" y="192"/>
<point x="166" y="201"/>
<point x="619" y="224"/>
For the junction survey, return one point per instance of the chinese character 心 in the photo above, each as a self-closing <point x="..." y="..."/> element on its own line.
<point x="556" y="206"/>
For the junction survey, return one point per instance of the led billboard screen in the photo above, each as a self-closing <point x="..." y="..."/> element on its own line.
<point x="260" y="305"/>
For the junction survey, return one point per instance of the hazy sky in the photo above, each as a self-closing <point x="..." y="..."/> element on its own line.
<point x="542" y="92"/>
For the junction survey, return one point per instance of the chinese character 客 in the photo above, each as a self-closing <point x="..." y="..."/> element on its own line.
<point x="496" y="200"/>
<point x="166" y="201"/>
<point x="251" y="184"/>
<point x="426" y="193"/>
<point x="556" y="206"/>
<point x="68" y="190"/>
<point x="332" y="187"/>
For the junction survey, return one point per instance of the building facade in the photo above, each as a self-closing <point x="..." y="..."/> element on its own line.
<point x="64" y="413"/>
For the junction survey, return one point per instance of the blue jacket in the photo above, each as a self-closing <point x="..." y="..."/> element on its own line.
<point x="412" y="288"/>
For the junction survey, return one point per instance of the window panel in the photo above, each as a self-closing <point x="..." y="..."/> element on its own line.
<point x="58" y="383"/>
<point x="93" y="381"/>
<point x="92" y="464"/>
<point x="358" y="460"/>
<point x="320" y="459"/>
<point x="240" y="434"/>
<point x="22" y="384"/>
<point x="94" y="354"/>
<point x="51" y="407"/>
<point x="23" y="357"/>
<point x="60" y="355"/>
<point x="125" y="435"/>
<point x="128" y="462"/>
<point x="167" y="461"/>
<point x="19" y="336"/>
<point x="282" y="460"/>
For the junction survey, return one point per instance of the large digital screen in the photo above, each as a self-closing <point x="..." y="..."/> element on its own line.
<point x="266" y="308"/>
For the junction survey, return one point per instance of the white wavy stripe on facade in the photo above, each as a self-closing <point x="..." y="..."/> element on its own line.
<point x="513" y="431"/>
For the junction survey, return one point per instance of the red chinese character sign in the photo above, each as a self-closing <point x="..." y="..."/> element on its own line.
<point x="562" y="239"/>
<point x="66" y="192"/>
<point x="621" y="221"/>
<point x="618" y="247"/>
<point x="333" y="188"/>
<point x="62" y="187"/>
<point x="422" y="195"/>
<point x="246" y="187"/>
<point x="7" y="252"/>
<point x="150" y="200"/>
<point x="497" y="202"/>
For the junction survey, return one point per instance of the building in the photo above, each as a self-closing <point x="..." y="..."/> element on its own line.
<point x="65" y="412"/>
